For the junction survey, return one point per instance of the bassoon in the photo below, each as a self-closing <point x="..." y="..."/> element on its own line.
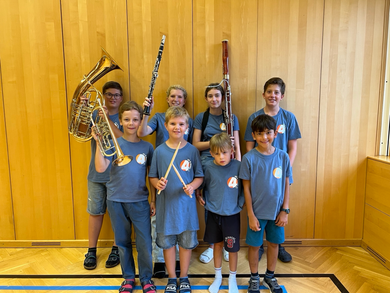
<point x="229" y="119"/>
<point x="154" y="75"/>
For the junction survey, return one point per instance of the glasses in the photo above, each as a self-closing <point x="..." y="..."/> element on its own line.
<point x="110" y="95"/>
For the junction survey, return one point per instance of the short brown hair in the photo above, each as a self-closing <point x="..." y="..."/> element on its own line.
<point x="176" y="111"/>
<point x="128" y="106"/>
<point x="220" y="141"/>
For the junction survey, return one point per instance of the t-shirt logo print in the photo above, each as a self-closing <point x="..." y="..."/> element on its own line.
<point x="281" y="128"/>
<point x="141" y="159"/>
<point x="233" y="182"/>
<point x="187" y="131"/>
<point x="222" y="126"/>
<point x="278" y="172"/>
<point x="116" y="124"/>
<point x="185" y="165"/>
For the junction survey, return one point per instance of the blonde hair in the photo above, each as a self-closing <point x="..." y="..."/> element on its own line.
<point x="176" y="111"/>
<point x="220" y="141"/>
<point x="177" y="87"/>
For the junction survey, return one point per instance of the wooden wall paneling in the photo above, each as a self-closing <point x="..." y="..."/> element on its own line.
<point x="34" y="101"/>
<point x="148" y="21"/>
<point x="378" y="185"/>
<point x="6" y="212"/>
<point x="289" y="46"/>
<point x="88" y="26"/>
<point x="235" y="21"/>
<point x="350" y="87"/>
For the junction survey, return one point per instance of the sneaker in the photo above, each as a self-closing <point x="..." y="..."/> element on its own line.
<point x="283" y="255"/>
<point x="90" y="261"/>
<point x="159" y="270"/>
<point x="254" y="285"/>
<point x="148" y="287"/>
<point x="225" y="254"/>
<point x="127" y="286"/>
<point x="185" y="286"/>
<point x="207" y="255"/>
<point x="171" y="287"/>
<point x="261" y="251"/>
<point x="272" y="285"/>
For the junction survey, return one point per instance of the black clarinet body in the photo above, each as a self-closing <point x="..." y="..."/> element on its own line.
<point x="154" y="74"/>
<point x="229" y="120"/>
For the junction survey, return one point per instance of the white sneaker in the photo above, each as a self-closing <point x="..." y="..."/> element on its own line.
<point x="207" y="255"/>
<point x="225" y="254"/>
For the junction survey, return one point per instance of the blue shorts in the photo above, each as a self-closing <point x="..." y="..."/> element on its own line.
<point x="273" y="233"/>
<point x="186" y="240"/>
<point x="97" y="198"/>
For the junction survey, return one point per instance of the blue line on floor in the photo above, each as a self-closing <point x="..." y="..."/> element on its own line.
<point x="193" y="287"/>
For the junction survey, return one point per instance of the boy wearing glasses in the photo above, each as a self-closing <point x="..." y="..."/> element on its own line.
<point x="97" y="191"/>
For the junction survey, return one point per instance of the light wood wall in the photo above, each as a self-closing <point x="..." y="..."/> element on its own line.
<point x="328" y="52"/>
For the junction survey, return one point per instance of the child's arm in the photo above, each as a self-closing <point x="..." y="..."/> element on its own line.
<point x="144" y="129"/>
<point x="292" y="147"/>
<point x="282" y="218"/>
<point x="237" y="148"/>
<point x="101" y="163"/>
<point x="152" y="197"/>
<point x="190" y="187"/>
<point x="196" y="141"/>
<point x="249" y="145"/>
<point x="253" y="221"/>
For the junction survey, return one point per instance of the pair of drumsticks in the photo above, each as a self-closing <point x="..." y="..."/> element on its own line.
<point x="174" y="168"/>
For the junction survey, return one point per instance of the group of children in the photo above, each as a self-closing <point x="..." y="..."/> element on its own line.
<point x="261" y="182"/>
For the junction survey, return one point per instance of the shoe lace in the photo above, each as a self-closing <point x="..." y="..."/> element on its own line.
<point x="273" y="283"/>
<point x="254" y="284"/>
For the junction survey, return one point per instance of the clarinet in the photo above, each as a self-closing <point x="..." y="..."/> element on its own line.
<point x="154" y="75"/>
<point x="229" y="120"/>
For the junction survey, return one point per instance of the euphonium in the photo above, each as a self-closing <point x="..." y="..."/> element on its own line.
<point x="81" y="112"/>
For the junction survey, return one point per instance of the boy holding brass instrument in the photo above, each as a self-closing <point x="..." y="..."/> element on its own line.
<point x="127" y="199"/>
<point x="97" y="190"/>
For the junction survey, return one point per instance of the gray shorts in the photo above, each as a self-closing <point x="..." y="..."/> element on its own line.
<point x="97" y="198"/>
<point x="186" y="240"/>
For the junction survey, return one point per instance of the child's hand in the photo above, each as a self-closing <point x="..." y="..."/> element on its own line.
<point x="149" y="103"/>
<point x="199" y="198"/>
<point x="254" y="224"/>
<point x="94" y="134"/>
<point x="189" y="190"/>
<point x="83" y="100"/>
<point x="161" y="184"/>
<point x="105" y="111"/>
<point x="281" y="219"/>
<point x="152" y="208"/>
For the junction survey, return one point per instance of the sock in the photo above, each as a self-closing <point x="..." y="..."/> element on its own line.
<point x="233" y="283"/>
<point x="93" y="250"/>
<point x="269" y="274"/>
<point x="214" y="287"/>
<point x="114" y="248"/>
<point x="255" y="275"/>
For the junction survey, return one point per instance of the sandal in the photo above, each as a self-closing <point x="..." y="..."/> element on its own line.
<point x="185" y="286"/>
<point x="207" y="255"/>
<point x="171" y="287"/>
<point x="90" y="261"/>
<point x="127" y="286"/>
<point x="113" y="259"/>
<point x="148" y="287"/>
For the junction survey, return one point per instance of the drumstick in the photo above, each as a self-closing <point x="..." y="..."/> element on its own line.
<point x="181" y="179"/>
<point x="170" y="164"/>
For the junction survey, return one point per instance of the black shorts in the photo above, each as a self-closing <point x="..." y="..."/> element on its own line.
<point x="223" y="228"/>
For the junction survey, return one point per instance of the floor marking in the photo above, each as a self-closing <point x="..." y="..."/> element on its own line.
<point x="334" y="279"/>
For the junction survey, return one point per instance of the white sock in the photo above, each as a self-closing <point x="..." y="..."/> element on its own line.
<point x="233" y="283"/>
<point x="214" y="287"/>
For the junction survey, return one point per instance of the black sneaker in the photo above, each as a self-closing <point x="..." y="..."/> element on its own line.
<point x="171" y="287"/>
<point x="159" y="270"/>
<point x="184" y="286"/>
<point x="254" y="285"/>
<point x="90" y="261"/>
<point x="113" y="259"/>
<point x="261" y="251"/>
<point x="283" y="255"/>
<point x="272" y="285"/>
